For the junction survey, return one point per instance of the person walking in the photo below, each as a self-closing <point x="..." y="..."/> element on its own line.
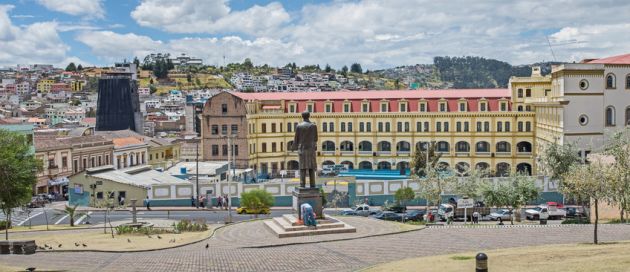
<point x="148" y="203"/>
<point x="226" y="201"/>
<point x="220" y="202"/>
<point x="202" y="202"/>
<point x="192" y="201"/>
<point x="122" y="201"/>
<point x="476" y="217"/>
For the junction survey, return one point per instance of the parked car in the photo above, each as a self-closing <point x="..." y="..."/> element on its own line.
<point x="389" y="216"/>
<point x="37" y="202"/>
<point x="243" y="210"/>
<point x="414" y="215"/>
<point x="551" y="211"/>
<point x="397" y="208"/>
<point x="575" y="212"/>
<point x="504" y="214"/>
<point x="365" y="210"/>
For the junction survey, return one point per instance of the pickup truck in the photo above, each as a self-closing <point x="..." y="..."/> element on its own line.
<point x="365" y="210"/>
<point x="458" y="213"/>
<point x="551" y="210"/>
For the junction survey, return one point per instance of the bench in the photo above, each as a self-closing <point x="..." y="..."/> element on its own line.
<point x="18" y="247"/>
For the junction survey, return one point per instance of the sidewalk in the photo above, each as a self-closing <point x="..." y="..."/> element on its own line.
<point x="60" y="205"/>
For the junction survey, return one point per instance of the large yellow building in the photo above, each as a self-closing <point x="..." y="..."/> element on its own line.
<point x="373" y="129"/>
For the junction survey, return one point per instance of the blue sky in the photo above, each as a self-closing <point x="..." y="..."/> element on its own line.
<point x="377" y="34"/>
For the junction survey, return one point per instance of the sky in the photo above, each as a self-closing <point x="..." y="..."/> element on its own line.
<point x="376" y="34"/>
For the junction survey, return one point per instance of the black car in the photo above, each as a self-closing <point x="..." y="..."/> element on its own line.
<point x="389" y="216"/>
<point x="414" y="215"/>
<point x="396" y="208"/>
<point x="573" y="212"/>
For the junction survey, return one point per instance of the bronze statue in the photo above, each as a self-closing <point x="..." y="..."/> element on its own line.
<point x="305" y="143"/>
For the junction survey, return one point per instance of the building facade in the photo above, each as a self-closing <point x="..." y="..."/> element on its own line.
<point x="90" y="151"/>
<point x="375" y="129"/>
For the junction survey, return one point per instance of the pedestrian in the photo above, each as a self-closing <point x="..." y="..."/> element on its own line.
<point x="122" y="201"/>
<point x="476" y="217"/>
<point x="148" y="203"/>
<point x="202" y="202"/>
<point x="500" y="221"/>
<point x="220" y="202"/>
<point x="226" y="202"/>
<point x="192" y="201"/>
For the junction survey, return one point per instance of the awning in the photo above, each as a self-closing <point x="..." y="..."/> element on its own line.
<point x="58" y="181"/>
<point x="271" y="107"/>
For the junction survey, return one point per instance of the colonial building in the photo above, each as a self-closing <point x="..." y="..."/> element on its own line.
<point x="55" y="156"/>
<point x="373" y="129"/>
<point x="90" y="151"/>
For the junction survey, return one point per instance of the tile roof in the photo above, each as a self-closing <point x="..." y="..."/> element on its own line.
<point x="127" y="141"/>
<point x="44" y="144"/>
<point x="377" y="94"/>
<point x="620" y="59"/>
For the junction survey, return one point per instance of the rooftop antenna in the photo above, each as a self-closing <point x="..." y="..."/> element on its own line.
<point x="550" y="48"/>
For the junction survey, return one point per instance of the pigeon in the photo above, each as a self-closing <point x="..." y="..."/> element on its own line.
<point x="76" y="244"/>
<point x="159" y="237"/>
<point x="207" y="246"/>
<point x="41" y="248"/>
<point x="46" y="245"/>
<point x="59" y="245"/>
<point x="84" y="245"/>
<point x="128" y="240"/>
<point x="149" y="236"/>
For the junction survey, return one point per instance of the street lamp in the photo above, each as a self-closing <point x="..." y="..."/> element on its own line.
<point x="197" y="175"/>
<point x="229" y="178"/>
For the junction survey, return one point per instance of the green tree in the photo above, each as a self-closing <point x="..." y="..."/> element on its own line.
<point x="80" y="67"/>
<point x="356" y="68"/>
<point x="72" y="213"/>
<point x="470" y="185"/>
<point x="618" y="147"/>
<point x="344" y="71"/>
<point x="403" y="195"/>
<point x="419" y="164"/>
<point x="512" y="192"/>
<point x="18" y="168"/>
<point x="433" y="185"/>
<point x="557" y="159"/>
<point x="136" y="61"/>
<point x="327" y="69"/>
<point x="256" y="200"/>
<point x="589" y="181"/>
<point x="71" y="67"/>
<point x="189" y="78"/>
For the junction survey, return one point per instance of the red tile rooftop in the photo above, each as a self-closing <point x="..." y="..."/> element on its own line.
<point x="378" y="94"/>
<point x="620" y="59"/>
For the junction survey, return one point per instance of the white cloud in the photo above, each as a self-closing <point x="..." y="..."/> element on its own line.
<point x="209" y="16"/>
<point x="83" y="8"/>
<point x="35" y="43"/>
<point x="111" y="46"/>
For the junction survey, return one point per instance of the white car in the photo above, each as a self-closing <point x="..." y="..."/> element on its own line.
<point x="504" y="214"/>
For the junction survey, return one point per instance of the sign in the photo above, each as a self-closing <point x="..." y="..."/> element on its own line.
<point x="465" y="203"/>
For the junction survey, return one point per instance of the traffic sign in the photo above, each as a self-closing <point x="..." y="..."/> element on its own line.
<point x="465" y="203"/>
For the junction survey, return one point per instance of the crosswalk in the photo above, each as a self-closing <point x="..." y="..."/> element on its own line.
<point x="20" y="217"/>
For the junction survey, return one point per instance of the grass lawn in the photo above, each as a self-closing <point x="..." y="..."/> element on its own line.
<point x="97" y="240"/>
<point x="43" y="228"/>
<point x="572" y="257"/>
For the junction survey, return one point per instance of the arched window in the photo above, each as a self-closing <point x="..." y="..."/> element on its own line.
<point x="403" y="146"/>
<point x="462" y="168"/>
<point x="293" y="165"/>
<point x="524" y="168"/>
<point x="610" y="81"/>
<point x="462" y="147"/>
<point x="524" y="147"/>
<point x="503" y="169"/>
<point x="328" y="146"/>
<point x="503" y="147"/>
<point x="610" y="116"/>
<point x="482" y="147"/>
<point x="384" y="146"/>
<point x="520" y="108"/>
<point x="348" y="164"/>
<point x="402" y="165"/>
<point x="365" y="146"/>
<point x="482" y="166"/>
<point x="346" y="146"/>
<point x="384" y="165"/>
<point x="365" y="165"/>
<point x="443" y="146"/>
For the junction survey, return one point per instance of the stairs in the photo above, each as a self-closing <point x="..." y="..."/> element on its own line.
<point x="287" y="226"/>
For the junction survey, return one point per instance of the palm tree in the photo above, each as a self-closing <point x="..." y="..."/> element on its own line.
<point x="71" y="212"/>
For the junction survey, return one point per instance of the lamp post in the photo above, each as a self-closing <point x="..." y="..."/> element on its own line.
<point x="229" y="178"/>
<point x="197" y="175"/>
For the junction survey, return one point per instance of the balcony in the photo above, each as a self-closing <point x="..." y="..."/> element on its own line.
<point x="327" y="152"/>
<point x="347" y="152"/>
<point x="523" y="153"/>
<point x="403" y="152"/>
<point x="462" y="153"/>
<point x="482" y="154"/>
<point x="503" y="153"/>
<point x="384" y="152"/>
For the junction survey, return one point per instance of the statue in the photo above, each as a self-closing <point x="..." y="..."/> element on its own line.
<point x="305" y="143"/>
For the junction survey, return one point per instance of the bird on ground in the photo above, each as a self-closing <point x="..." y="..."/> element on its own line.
<point x="46" y="245"/>
<point x="41" y="248"/>
<point x="76" y="244"/>
<point x="149" y="236"/>
<point x="159" y="237"/>
<point x="207" y="246"/>
<point x="59" y="245"/>
<point x="128" y="240"/>
<point x="84" y="245"/>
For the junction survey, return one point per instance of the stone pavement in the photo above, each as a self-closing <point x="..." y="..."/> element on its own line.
<point x="228" y="253"/>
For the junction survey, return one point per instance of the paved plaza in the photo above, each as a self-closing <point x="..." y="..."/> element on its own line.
<point x="231" y="248"/>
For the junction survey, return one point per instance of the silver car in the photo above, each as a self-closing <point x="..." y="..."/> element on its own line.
<point x="504" y="214"/>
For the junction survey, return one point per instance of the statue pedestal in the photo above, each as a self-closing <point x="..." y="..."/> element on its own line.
<point x="310" y="196"/>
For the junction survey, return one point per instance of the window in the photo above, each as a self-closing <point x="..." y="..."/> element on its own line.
<point x="610" y="116"/>
<point x="418" y="126"/>
<point x="528" y="126"/>
<point x="215" y="129"/>
<point x="528" y="93"/>
<point x="264" y="127"/>
<point x="402" y="107"/>
<point x="583" y="119"/>
<point x="627" y="116"/>
<point x="292" y="108"/>
<point x="507" y="126"/>
<point x="462" y="106"/>
<point x="273" y="147"/>
<point x="224" y="150"/>
<point x="273" y="127"/>
<point x="328" y="108"/>
<point x="520" y="93"/>
<point x="628" y="82"/>
<point x="224" y="109"/>
<point x="289" y="127"/>
<point x="361" y="126"/>
<point x="519" y="108"/>
<point x="482" y="106"/>
<point x="503" y="106"/>
<point x="309" y="108"/>
<point x="215" y="151"/>
<point x="264" y="147"/>
<point x="224" y="129"/>
<point x="343" y="126"/>
<point x="151" y="156"/>
<point x="106" y="159"/>
<point x="423" y="107"/>
<point x="234" y="129"/>
<point x="387" y="129"/>
<point x="426" y="126"/>
<point x="486" y="126"/>
<point x="235" y="151"/>
<point x="528" y="108"/>
<point x="443" y="106"/>
<point x="331" y="127"/>
<point x="349" y="126"/>
<point x="583" y="84"/>
<point x="346" y="107"/>
<point x="99" y="195"/>
<point x="384" y="107"/>
<point x="499" y="126"/>
<point x="100" y="161"/>
<point x="520" y="126"/>
<point x="324" y="127"/>
<point x="458" y="126"/>
<point x="438" y="126"/>
<point x="466" y="128"/>
<point x="380" y="126"/>
<point x="442" y="146"/>
<point x="399" y="127"/>
<point x="406" y="126"/>
<point x="64" y="162"/>
<point x="368" y="126"/>
<point x="610" y="81"/>
<point x="479" y="127"/>
<point x="365" y="107"/>
<point x="445" y="126"/>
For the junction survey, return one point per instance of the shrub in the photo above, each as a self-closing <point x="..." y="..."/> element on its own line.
<point x="188" y="225"/>
<point x="125" y="229"/>
<point x="618" y="221"/>
<point x="4" y="224"/>
<point x="576" y="221"/>
<point x="256" y="199"/>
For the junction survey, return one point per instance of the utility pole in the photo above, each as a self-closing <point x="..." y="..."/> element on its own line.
<point x="230" y="150"/>
<point x="197" y="175"/>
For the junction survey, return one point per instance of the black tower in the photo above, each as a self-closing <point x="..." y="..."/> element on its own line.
<point x="118" y="105"/>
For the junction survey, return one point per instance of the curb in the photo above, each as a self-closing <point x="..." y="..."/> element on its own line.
<point x="483" y="226"/>
<point x="344" y="239"/>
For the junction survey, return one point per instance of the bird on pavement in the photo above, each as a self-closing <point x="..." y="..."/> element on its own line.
<point x="76" y="244"/>
<point x="59" y="245"/>
<point x="41" y="248"/>
<point x="46" y="245"/>
<point x="207" y="246"/>
<point x="149" y="236"/>
<point x="159" y="237"/>
<point x="84" y="245"/>
<point x="128" y="240"/>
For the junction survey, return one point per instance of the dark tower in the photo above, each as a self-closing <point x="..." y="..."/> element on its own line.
<point x="118" y="105"/>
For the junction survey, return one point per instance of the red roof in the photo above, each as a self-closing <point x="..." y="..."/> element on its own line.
<point x="378" y="94"/>
<point x="620" y="59"/>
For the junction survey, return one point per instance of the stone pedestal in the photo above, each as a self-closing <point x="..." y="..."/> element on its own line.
<point x="310" y="196"/>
